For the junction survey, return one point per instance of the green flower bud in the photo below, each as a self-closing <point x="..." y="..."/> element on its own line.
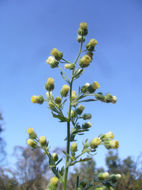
<point x="37" y="99"/>
<point x="57" y="54"/>
<point x="69" y="66"/>
<point x="86" y="125"/>
<point x="42" y="141"/>
<point x="73" y="96"/>
<point x="92" y="43"/>
<point x="64" y="91"/>
<point x="52" y="62"/>
<point x="108" y="98"/>
<point x="58" y="100"/>
<point x="103" y="176"/>
<point x="100" y="96"/>
<point x="74" y="147"/>
<point x="85" y="87"/>
<point x="108" y="135"/>
<point x="80" y="38"/>
<point x="83" y="25"/>
<point x="73" y="114"/>
<point x="49" y="84"/>
<point x="31" y="133"/>
<point x="80" y="109"/>
<point x="85" y="61"/>
<point x="86" y="116"/>
<point x="111" y="144"/>
<point x="51" y="105"/>
<point x="49" y="95"/>
<point x="54" y="181"/>
<point x="31" y="143"/>
<point x="93" y="87"/>
<point x="82" y="32"/>
<point x="55" y="157"/>
<point x="95" y="142"/>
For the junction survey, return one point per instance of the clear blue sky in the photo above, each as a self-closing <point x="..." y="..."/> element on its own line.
<point x="28" y="32"/>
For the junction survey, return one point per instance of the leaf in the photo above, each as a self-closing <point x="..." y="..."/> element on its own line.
<point x="78" y="73"/>
<point x="59" y="161"/>
<point x="64" y="77"/>
<point x="60" y="117"/>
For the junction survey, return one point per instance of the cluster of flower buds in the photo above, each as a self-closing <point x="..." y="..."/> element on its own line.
<point x="108" y="141"/>
<point x="108" y="98"/>
<point x="53" y="60"/>
<point x="33" y="140"/>
<point x="90" y="88"/>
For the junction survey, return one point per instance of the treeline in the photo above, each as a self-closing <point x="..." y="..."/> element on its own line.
<point x="31" y="171"/>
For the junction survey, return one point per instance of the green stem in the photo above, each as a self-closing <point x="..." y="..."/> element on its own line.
<point x="68" y="123"/>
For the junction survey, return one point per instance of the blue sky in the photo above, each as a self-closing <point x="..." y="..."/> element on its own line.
<point x="28" y="32"/>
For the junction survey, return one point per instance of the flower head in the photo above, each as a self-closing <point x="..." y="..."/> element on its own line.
<point x="54" y="181"/>
<point x="42" y="140"/>
<point x="64" y="91"/>
<point x="57" y="54"/>
<point x="85" y="61"/>
<point x="74" y="147"/>
<point x="49" y="84"/>
<point x="52" y="62"/>
<point x="95" y="142"/>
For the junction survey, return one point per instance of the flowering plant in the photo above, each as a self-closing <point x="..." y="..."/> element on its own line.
<point x="86" y="93"/>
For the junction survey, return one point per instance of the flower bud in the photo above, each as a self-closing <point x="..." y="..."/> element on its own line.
<point x="93" y="87"/>
<point x="108" y="135"/>
<point x="49" y="95"/>
<point x="100" y="96"/>
<point x="80" y="38"/>
<point x="64" y="91"/>
<point x="52" y="62"/>
<point x="83" y="25"/>
<point x="85" y="87"/>
<point x="55" y="157"/>
<point x="83" y="31"/>
<point x="86" y="116"/>
<point x="103" y="176"/>
<point x="74" y="147"/>
<point x="69" y="66"/>
<point x="57" y="54"/>
<point x="95" y="142"/>
<point x="114" y="144"/>
<point x="31" y="133"/>
<point x="73" y="114"/>
<point x="108" y="98"/>
<point x="54" y="181"/>
<point x="86" y="125"/>
<point x="58" y="100"/>
<point x="37" y="99"/>
<point x="42" y="141"/>
<point x="118" y="176"/>
<point x="80" y="109"/>
<point x="49" y="84"/>
<point x="114" y="99"/>
<point x="31" y="143"/>
<point x="34" y="99"/>
<point x="93" y="42"/>
<point x="73" y="96"/>
<point x="85" y="61"/>
<point x="51" y="105"/>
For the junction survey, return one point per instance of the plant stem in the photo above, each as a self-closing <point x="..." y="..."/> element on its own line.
<point x="68" y="123"/>
<point x="68" y="137"/>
